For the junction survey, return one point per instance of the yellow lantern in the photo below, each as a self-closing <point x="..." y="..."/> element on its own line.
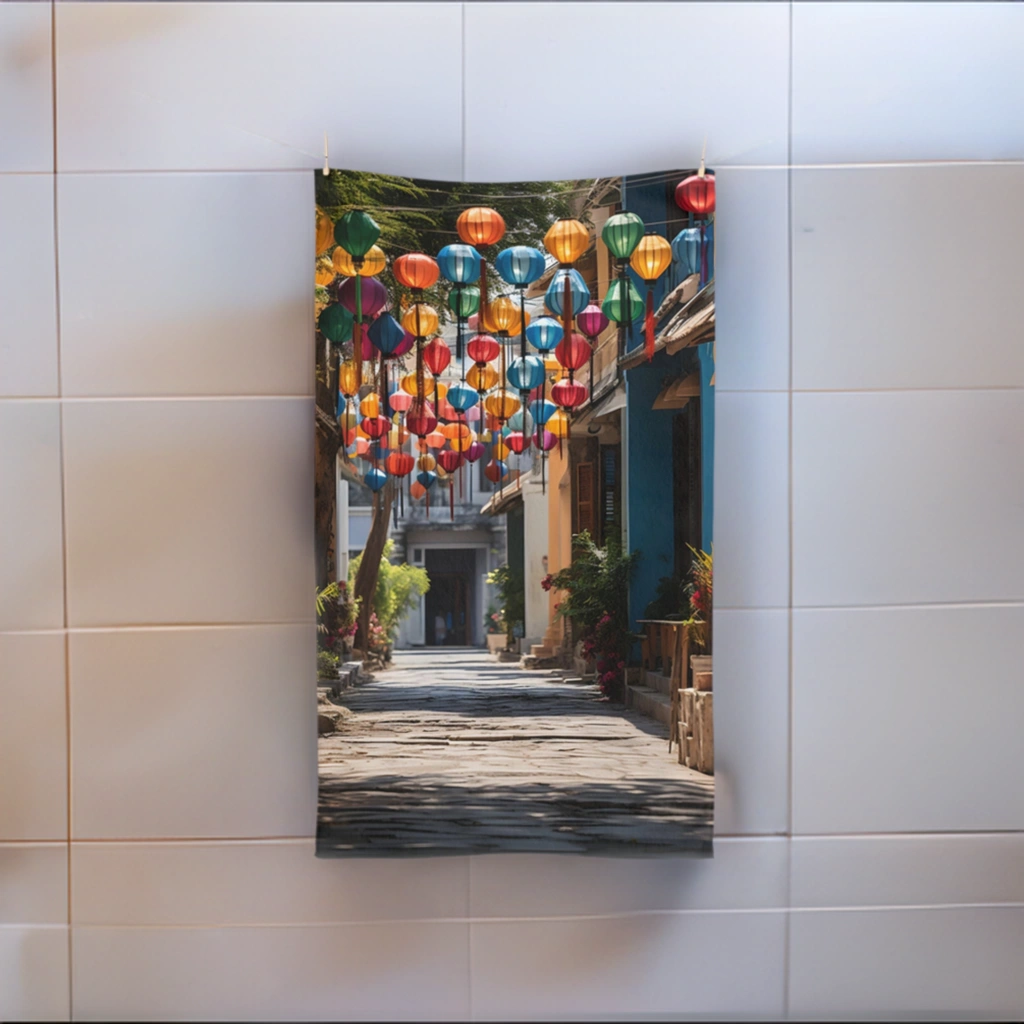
<point x="461" y="442"/>
<point x="370" y="406"/>
<point x="324" y="232"/>
<point x="567" y="240"/>
<point x="501" y="450"/>
<point x="420" y="320"/>
<point x="373" y="262"/>
<point x="441" y="473"/>
<point x="652" y="257"/>
<point x="397" y="436"/>
<point x="558" y="423"/>
<point x="552" y="365"/>
<point x="348" y="378"/>
<point x="442" y="391"/>
<point x="501" y="404"/>
<point x="324" y="272"/>
<point x="408" y="384"/>
<point x="454" y="431"/>
<point x="502" y="315"/>
<point x="481" y="378"/>
<point x="426" y="463"/>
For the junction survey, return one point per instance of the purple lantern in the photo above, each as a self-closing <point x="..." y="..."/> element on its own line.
<point x="545" y="440"/>
<point x="373" y="294"/>
<point x="592" y="320"/>
<point x="475" y="450"/>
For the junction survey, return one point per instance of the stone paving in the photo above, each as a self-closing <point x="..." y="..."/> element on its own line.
<point x="450" y="751"/>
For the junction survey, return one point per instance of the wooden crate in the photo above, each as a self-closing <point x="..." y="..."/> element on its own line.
<point x="696" y="730"/>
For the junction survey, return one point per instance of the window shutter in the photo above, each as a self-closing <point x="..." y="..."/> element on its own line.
<point x="585" y="519"/>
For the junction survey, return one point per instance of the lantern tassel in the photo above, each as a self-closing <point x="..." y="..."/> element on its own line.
<point x="451" y="497"/>
<point x="703" y="257"/>
<point x="649" y="325"/>
<point x="428" y="503"/>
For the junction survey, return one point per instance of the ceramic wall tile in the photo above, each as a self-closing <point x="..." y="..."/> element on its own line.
<point x="34" y="973"/>
<point x="895" y="299"/>
<point x="751" y="280"/>
<point x="354" y="972"/>
<point x="907" y="81"/>
<point x="31" y="552"/>
<point x="33" y="883"/>
<point x="751" y="500"/>
<point x="635" y="966"/>
<point x="33" y="737"/>
<point x="186" y="284"/>
<point x="26" y="94"/>
<point x="940" y="690"/>
<point x="174" y="704"/>
<point x="948" y="962"/>
<point x="907" y="497"/>
<point x="254" y="86"/>
<point x="184" y="511"/>
<point x="28" y="276"/>
<point x="270" y="882"/>
<point x="527" y="123"/>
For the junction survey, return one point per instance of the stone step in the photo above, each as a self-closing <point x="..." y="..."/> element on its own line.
<point x="651" y="703"/>
<point x="541" y="651"/>
<point x="656" y="681"/>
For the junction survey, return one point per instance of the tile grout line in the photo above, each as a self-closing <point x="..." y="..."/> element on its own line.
<point x="787" y="922"/>
<point x="63" y="494"/>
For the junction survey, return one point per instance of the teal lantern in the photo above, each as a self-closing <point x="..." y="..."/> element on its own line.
<point x="464" y="300"/>
<point x="356" y="232"/>
<point x="335" y="323"/>
<point x="622" y="233"/>
<point x="580" y="293"/>
<point x="544" y="333"/>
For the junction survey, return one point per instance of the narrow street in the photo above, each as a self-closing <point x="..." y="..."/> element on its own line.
<point x="450" y="751"/>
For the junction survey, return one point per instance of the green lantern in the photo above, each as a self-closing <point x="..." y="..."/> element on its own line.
<point x="464" y="300"/>
<point x="613" y="306"/>
<point x="356" y="233"/>
<point x="622" y="233"/>
<point x="335" y="323"/>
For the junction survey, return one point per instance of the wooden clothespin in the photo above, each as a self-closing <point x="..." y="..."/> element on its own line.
<point x="327" y="166"/>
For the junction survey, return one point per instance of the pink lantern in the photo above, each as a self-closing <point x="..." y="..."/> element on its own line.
<point x="592" y="320"/>
<point x="404" y="346"/>
<point x="400" y="400"/>
<point x="568" y="394"/>
<point x="475" y="451"/>
<point x="545" y="440"/>
<point x="373" y="294"/>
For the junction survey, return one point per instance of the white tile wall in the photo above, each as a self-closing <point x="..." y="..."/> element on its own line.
<point x="883" y="839"/>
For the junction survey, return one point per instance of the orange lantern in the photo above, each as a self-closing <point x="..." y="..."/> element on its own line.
<point x="502" y="315"/>
<point x="324" y="232"/>
<point x="567" y="240"/>
<point x="348" y="378"/>
<point x="370" y="405"/>
<point x="417" y="490"/>
<point x="481" y="377"/>
<point x="420" y="320"/>
<point x="435" y="439"/>
<point x="480" y="225"/>
<point x="408" y="383"/>
<point x="501" y="404"/>
<point x="426" y="463"/>
<point x="650" y="259"/>
<point x="324" y="272"/>
<point x="415" y="270"/>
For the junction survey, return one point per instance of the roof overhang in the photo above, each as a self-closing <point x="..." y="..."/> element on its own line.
<point x="678" y="392"/>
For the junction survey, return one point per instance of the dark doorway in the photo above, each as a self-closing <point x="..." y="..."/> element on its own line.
<point x="449" y="601"/>
<point x="686" y="484"/>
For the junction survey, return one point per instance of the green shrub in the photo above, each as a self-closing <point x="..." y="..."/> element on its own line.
<point x="327" y="665"/>
<point x="399" y="587"/>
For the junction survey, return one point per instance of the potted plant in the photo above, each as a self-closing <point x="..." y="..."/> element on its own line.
<point x="513" y="601"/>
<point x="494" y="626"/>
<point x="700" y="591"/>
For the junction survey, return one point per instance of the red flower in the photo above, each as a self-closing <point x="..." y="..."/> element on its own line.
<point x="546" y="582"/>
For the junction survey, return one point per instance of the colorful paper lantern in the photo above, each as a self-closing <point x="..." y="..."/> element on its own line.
<point x="420" y="418"/>
<point x="375" y="479"/>
<point x="369" y="290"/>
<point x="450" y="460"/>
<point x="621" y="234"/>
<point x="356" y="233"/>
<point x="541" y="410"/>
<point x="410" y="384"/>
<point x="619" y="311"/>
<point x="572" y="352"/>
<point x="475" y="451"/>
<point x="686" y="248"/>
<point x="420" y="320"/>
<point x="435" y="439"/>
<point x="482" y="348"/>
<point x="578" y="290"/>
<point x="480" y="225"/>
<point x="696" y="194"/>
<point x="417" y="490"/>
<point x="436" y="356"/>
<point x="526" y="373"/>
<point x="495" y="470"/>
<point x="464" y="300"/>
<point x="404" y="346"/>
<point x="459" y="263"/>
<point x="370" y="405"/>
<point x="567" y="240"/>
<point x="426" y="479"/>
<point x="386" y="334"/>
<point x="400" y="463"/>
<point x="520" y="265"/>
<point x="501" y="404"/>
<point x="502" y="315"/>
<point x="462" y="396"/>
<point x="426" y="462"/>
<point x="517" y="442"/>
<point x="376" y="427"/>
<point x="324" y="232"/>
<point x="481" y="377"/>
<point x="371" y="265"/>
<point x="544" y="333"/>
<point x="544" y="439"/>
<point x="568" y="394"/>
<point x="400" y="400"/>
<point x="325" y="272"/>
<point x="592" y="320"/>
<point x="650" y="260"/>
<point x="335" y="323"/>
<point x="415" y="270"/>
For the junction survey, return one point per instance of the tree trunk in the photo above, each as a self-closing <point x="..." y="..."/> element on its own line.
<point x="369" y="564"/>
<point x="327" y="441"/>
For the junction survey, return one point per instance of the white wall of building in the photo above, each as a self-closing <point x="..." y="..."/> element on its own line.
<point x="157" y="734"/>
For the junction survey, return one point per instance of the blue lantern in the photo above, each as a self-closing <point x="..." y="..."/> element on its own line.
<point x="542" y="410"/>
<point x="556" y="292"/>
<point x="375" y="479"/>
<point x="686" y="251"/>
<point x="462" y="397"/>
<point x="522" y="421"/>
<point x="526" y="373"/>
<point x="459" y="264"/>
<point x="386" y="334"/>
<point x="426" y="478"/>
<point x="544" y="334"/>
<point x="520" y="265"/>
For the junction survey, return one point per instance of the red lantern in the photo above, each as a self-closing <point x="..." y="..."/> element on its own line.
<point x="696" y="194"/>
<point x="400" y="463"/>
<point x="494" y="471"/>
<point x="450" y="461"/>
<point x="436" y="356"/>
<point x="480" y="225"/>
<point x="474" y="451"/>
<point x="376" y="426"/>
<point x="482" y="348"/>
<point x="517" y="442"/>
<point x="573" y="352"/>
<point x="400" y="400"/>
<point x="415" y="270"/>
<point x="568" y="394"/>
<point x="420" y="418"/>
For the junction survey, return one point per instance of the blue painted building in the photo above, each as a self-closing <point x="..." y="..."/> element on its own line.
<point x="669" y="420"/>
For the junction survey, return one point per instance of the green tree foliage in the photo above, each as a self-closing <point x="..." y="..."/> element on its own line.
<point x="512" y="591"/>
<point x="399" y="587"/>
<point x="596" y="583"/>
